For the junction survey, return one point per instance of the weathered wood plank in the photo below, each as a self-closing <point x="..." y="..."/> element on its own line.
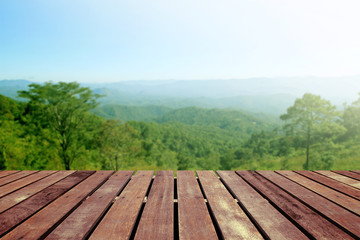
<point x="338" y="177"/>
<point x="38" y="225"/>
<point x="272" y="222"/>
<point x="54" y="205"/>
<point x="20" y="195"/>
<point x="13" y="186"/>
<point x="15" y="215"/>
<point x="15" y="176"/>
<point x="79" y="224"/>
<point x="332" y="183"/>
<point x="341" y="199"/>
<point x="194" y="218"/>
<point x="349" y="174"/>
<point x="119" y="221"/>
<point x="337" y="214"/>
<point x="157" y="220"/>
<point x="232" y="221"/>
<point x="7" y="172"/>
<point x="309" y="220"/>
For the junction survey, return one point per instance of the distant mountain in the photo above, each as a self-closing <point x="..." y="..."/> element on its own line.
<point x="21" y="83"/>
<point x="270" y="104"/>
<point x="127" y="113"/>
<point x="231" y="120"/>
<point x="267" y="95"/>
<point x="345" y="88"/>
<point x="9" y="88"/>
<point x="255" y="95"/>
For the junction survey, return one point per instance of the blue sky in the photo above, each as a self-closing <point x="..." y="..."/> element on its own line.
<point x="94" y="41"/>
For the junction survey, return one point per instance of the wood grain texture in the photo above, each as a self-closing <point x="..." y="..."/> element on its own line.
<point x="337" y="214"/>
<point x="157" y="220"/>
<point x="83" y="219"/>
<point x="15" y="176"/>
<point x="194" y="218"/>
<point x="119" y="221"/>
<point x="341" y="199"/>
<point x="15" y="215"/>
<point x="315" y="225"/>
<point x="355" y="193"/>
<point x="20" y="195"/>
<point x="349" y="174"/>
<point x="37" y="225"/>
<point x="341" y="178"/>
<point x="13" y="186"/>
<point x="232" y="221"/>
<point x="241" y="205"/>
<point x="7" y="172"/>
<point x="272" y="222"/>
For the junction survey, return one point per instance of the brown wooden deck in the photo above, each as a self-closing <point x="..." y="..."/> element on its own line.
<point x="226" y="205"/>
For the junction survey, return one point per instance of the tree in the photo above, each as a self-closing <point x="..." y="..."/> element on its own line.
<point x="118" y="144"/>
<point x="64" y="106"/>
<point x="352" y="119"/>
<point x="311" y="118"/>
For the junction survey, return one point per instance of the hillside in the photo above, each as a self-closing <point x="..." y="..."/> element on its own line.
<point x="181" y="146"/>
<point x="269" y="104"/>
<point x="9" y="88"/>
<point x="185" y="138"/>
<point x="254" y="95"/>
<point x="224" y="119"/>
<point x="9" y="108"/>
<point x="129" y="95"/>
<point x="230" y="121"/>
<point x="128" y="113"/>
<point x="340" y="87"/>
<point x="27" y="143"/>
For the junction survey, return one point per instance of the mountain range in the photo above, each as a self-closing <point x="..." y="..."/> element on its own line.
<point x="254" y="95"/>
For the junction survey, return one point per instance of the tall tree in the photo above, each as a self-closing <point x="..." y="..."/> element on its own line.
<point x="311" y="118"/>
<point x="118" y="144"/>
<point x="65" y="106"/>
<point x="352" y="119"/>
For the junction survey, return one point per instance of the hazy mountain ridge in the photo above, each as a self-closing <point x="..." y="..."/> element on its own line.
<point x="126" y="113"/>
<point x="9" y="88"/>
<point x="256" y="95"/>
<point x="345" y="87"/>
<point x="225" y="119"/>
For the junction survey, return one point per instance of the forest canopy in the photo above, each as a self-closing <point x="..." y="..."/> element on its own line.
<point x="61" y="126"/>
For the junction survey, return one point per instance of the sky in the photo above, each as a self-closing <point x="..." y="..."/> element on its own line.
<point x="116" y="40"/>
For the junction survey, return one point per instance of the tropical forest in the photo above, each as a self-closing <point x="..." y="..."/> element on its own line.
<point x="67" y="125"/>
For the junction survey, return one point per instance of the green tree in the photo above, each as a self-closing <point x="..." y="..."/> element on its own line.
<point x="259" y="143"/>
<point x="64" y="106"/>
<point x="11" y="147"/>
<point x="352" y="119"/>
<point x="311" y="118"/>
<point x="118" y="144"/>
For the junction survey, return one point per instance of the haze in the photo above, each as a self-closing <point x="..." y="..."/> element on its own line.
<point x="109" y="41"/>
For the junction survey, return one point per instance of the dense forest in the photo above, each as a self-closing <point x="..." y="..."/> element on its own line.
<point x="62" y="126"/>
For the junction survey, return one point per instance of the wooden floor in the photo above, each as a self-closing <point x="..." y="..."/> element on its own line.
<point x="208" y="205"/>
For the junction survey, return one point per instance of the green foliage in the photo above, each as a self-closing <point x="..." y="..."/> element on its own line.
<point x="11" y="145"/>
<point x="118" y="144"/>
<point x="234" y="122"/>
<point x="129" y="113"/>
<point x="190" y="138"/>
<point x="176" y="145"/>
<point x="312" y="119"/>
<point x="352" y="119"/>
<point x="64" y="107"/>
<point x="9" y="109"/>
